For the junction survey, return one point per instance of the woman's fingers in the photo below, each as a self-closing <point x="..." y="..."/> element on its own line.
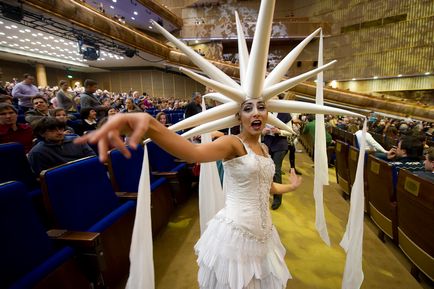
<point x="117" y="142"/>
<point x="102" y="149"/>
<point x="137" y="134"/>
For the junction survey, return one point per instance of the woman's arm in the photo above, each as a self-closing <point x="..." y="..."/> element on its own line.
<point x="142" y="124"/>
<point x="278" y="189"/>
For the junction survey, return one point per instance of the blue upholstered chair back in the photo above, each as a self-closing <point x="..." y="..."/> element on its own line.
<point x="159" y="159"/>
<point x="80" y="193"/>
<point x="125" y="172"/>
<point x="24" y="243"/>
<point x="14" y="165"/>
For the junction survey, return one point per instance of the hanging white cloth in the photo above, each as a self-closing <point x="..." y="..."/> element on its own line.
<point x="211" y="197"/>
<point x="320" y="155"/>
<point x="352" y="241"/>
<point x="141" y="255"/>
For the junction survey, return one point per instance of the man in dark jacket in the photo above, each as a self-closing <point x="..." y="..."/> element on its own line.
<point x="278" y="148"/>
<point x="88" y="99"/>
<point x="54" y="148"/>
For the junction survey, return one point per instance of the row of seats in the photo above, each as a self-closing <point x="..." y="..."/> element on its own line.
<point x="400" y="203"/>
<point x="80" y="197"/>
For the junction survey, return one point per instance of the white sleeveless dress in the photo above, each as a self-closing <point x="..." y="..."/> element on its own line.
<point x="240" y="248"/>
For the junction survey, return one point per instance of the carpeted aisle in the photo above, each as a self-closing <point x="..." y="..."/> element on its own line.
<point x="312" y="264"/>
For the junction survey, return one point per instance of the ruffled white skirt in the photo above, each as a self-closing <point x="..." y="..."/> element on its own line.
<point x="231" y="258"/>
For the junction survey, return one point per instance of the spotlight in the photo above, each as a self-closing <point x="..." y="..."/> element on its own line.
<point x="88" y="49"/>
<point x="130" y="53"/>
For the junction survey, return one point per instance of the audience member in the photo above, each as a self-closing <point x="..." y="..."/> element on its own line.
<point x="194" y="106"/>
<point x="407" y="155"/>
<point x="130" y="106"/>
<point x="371" y="144"/>
<point x="428" y="173"/>
<point x="61" y="115"/>
<point x="162" y="118"/>
<point x="65" y="99"/>
<point x="11" y="131"/>
<point x="88" y="115"/>
<point x="54" y="148"/>
<point x="277" y="144"/>
<point x="24" y="91"/>
<point x="40" y="109"/>
<point x="5" y="99"/>
<point x="88" y="99"/>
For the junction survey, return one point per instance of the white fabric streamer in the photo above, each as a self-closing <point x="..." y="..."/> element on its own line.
<point x="352" y="241"/>
<point x="211" y="197"/>
<point x="141" y="255"/>
<point x="320" y="155"/>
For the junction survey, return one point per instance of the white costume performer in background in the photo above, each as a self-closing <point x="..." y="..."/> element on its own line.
<point x="240" y="248"/>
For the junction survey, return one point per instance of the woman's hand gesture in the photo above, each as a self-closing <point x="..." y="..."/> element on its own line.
<point x="294" y="179"/>
<point x="135" y="124"/>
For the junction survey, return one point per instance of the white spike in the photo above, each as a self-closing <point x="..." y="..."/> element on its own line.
<point x="304" y="107"/>
<point x="274" y="121"/>
<point x="259" y="54"/>
<point x="243" y="53"/>
<point x="202" y="63"/>
<point x="232" y="93"/>
<point x="217" y="97"/>
<point x="275" y="89"/>
<point x="280" y="70"/>
<point x="211" y="114"/>
<point x="226" y="122"/>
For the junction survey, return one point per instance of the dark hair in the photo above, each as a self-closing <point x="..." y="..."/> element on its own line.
<point x="5" y="97"/>
<point x="41" y="97"/>
<point x="412" y="146"/>
<point x="84" y="112"/>
<point x="89" y="82"/>
<point x="56" y="110"/>
<point x="25" y="75"/>
<point x="158" y="116"/>
<point x="5" y="105"/>
<point x="62" y="82"/>
<point x="46" y="123"/>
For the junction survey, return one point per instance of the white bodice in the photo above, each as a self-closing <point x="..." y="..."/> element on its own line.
<point x="246" y="185"/>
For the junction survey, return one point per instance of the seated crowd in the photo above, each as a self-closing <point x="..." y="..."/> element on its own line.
<point x="45" y="120"/>
<point x="82" y="109"/>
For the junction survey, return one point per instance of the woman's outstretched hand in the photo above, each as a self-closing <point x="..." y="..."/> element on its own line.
<point x="110" y="133"/>
<point x="294" y="179"/>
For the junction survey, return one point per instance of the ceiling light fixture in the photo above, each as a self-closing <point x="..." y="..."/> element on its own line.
<point x="40" y="56"/>
<point x="399" y="75"/>
<point x="111" y="6"/>
<point x="375" y="77"/>
<point x="135" y="13"/>
<point x="133" y="18"/>
<point x="427" y="73"/>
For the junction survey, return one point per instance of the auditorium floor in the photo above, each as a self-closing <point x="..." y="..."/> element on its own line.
<point x="312" y="264"/>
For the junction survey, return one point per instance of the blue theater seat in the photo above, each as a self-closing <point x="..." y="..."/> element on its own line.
<point x="15" y="166"/>
<point x="29" y="258"/>
<point x="125" y="177"/>
<point x="79" y="197"/>
<point x="165" y="165"/>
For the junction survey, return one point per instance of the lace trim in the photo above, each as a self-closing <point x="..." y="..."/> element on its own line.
<point x="246" y="234"/>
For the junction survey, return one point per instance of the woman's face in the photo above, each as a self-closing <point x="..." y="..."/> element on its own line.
<point x="129" y="103"/>
<point x="61" y="115"/>
<point x="65" y="86"/>
<point x="92" y="114"/>
<point x="111" y="112"/>
<point x="163" y="119"/>
<point x="253" y="116"/>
